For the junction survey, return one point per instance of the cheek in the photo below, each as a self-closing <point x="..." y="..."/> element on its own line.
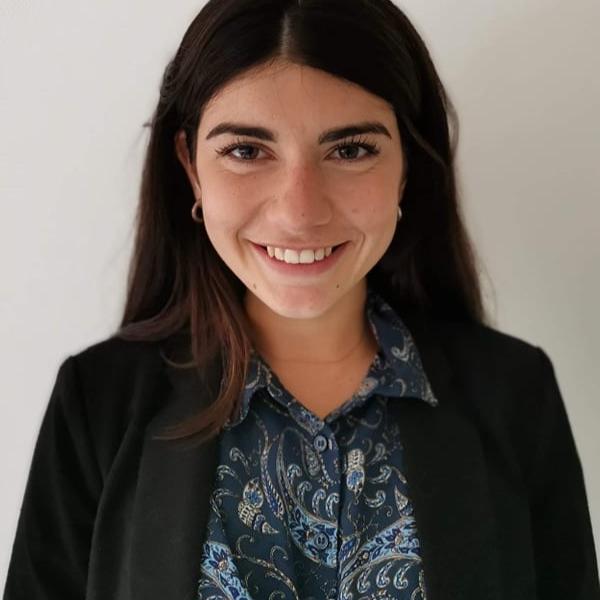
<point x="371" y="202"/>
<point x="376" y="215"/>
<point x="220" y="214"/>
<point x="220" y="228"/>
<point x="225" y="199"/>
<point x="226" y="208"/>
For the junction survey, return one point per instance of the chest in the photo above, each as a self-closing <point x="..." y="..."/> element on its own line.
<point x="324" y="388"/>
<point x="332" y="502"/>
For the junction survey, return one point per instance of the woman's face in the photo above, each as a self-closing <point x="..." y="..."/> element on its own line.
<point x="297" y="182"/>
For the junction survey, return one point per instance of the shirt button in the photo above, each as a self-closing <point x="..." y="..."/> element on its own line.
<point x="320" y="443"/>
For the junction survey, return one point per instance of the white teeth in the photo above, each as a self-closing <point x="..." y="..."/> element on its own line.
<point x="307" y="257"/>
<point x="291" y="257"/>
<point x="294" y="257"/>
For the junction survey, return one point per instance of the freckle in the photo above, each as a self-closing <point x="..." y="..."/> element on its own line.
<point x="254" y="286"/>
<point x="337" y="285"/>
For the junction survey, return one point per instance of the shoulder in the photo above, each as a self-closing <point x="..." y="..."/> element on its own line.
<point x="114" y="362"/>
<point x="510" y="388"/>
<point x="481" y="347"/>
<point x="502" y="380"/>
<point x="104" y="396"/>
<point x="493" y="372"/>
<point x="119" y="381"/>
<point x="117" y="357"/>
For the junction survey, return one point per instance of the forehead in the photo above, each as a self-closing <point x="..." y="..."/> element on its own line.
<point x="294" y="95"/>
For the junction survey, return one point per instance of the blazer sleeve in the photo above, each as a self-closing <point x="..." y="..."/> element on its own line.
<point x="51" y="548"/>
<point x="565" y="558"/>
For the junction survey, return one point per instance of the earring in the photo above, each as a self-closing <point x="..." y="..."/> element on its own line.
<point x="399" y="213"/>
<point x="197" y="218"/>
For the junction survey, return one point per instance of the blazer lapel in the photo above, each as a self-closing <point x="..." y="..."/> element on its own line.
<point x="444" y="466"/>
<point x="172" y="499"/>
<point x="446" y="473"/>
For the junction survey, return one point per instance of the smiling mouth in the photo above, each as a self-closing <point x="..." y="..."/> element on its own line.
<point x="277" y="253"/>
<point x="296" y="260"/>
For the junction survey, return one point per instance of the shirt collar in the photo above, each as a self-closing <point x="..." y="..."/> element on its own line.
<point x="397" y="370"/>
<point x="398" y="366"/>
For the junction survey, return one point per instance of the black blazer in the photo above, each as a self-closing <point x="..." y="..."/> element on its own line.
<point x="496" y="481"/>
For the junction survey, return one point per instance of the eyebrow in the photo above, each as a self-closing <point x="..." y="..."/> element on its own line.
<point x="331" y="135"/>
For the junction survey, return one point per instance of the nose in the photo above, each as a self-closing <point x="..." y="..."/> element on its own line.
<point x="300" y="201"/>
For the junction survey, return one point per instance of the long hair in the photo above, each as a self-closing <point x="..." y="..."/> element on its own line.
<point x="179" y="286"/>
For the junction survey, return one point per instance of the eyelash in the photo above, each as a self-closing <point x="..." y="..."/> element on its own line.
<point x="372" y="149"/>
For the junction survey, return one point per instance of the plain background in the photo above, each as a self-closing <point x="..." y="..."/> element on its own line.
<point x="79" y="79"/>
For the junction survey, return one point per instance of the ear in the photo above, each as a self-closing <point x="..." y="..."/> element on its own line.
<point x="183" y="155"/>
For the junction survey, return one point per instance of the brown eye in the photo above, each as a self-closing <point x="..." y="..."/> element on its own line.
<point x="246" y="152"/>
<point x="348" y="150"/>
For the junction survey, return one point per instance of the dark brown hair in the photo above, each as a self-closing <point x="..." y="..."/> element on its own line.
<point x="177" y="282"/>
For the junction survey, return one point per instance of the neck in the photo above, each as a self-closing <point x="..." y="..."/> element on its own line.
<point x="333" y="337"/>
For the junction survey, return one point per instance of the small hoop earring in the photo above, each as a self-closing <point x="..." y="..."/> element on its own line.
<point x="197" y="218"/>
<point x="399" y="213"/>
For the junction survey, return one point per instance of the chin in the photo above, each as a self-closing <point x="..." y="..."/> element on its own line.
<point x="297" y="303"/>
<point x="297" y="312"/>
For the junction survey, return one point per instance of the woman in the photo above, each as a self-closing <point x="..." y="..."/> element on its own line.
<point x="304" y="399"/>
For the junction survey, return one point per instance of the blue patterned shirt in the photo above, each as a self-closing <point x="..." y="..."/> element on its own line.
<point x="312" y="508"/>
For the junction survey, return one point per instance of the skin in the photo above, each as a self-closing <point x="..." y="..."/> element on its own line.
<point x="307" y="194"/>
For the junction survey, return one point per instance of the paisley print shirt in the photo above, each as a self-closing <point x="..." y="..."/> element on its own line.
<point x="312" y="508"/>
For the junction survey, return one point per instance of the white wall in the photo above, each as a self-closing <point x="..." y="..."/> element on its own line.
<point x="78" y="80"/>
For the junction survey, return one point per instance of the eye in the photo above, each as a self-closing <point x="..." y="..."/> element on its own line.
<point x="357" y="144"/>
<point x="248" y="151"/>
